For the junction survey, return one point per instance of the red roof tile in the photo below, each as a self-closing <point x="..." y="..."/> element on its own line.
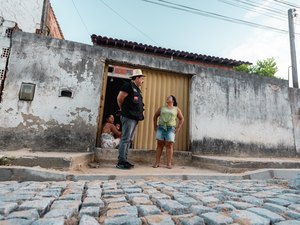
<point x="139" y="47"/>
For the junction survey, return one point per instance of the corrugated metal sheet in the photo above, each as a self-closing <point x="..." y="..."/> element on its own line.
<point x="157" y="87"/>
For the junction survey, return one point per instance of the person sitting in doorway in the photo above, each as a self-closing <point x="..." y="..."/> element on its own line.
<point x="111" y="134"/>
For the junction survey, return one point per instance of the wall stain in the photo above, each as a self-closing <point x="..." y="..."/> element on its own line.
<point x="9" y="110"/>
<point x="83" y="109"/>
<point x="78" y="69"/>
<point x="213" y="146"/>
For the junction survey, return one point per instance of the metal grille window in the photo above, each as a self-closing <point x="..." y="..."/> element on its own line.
<point x="5" y="53"/>
<point x="2" y="72"/>
<point x="8" y="32"/>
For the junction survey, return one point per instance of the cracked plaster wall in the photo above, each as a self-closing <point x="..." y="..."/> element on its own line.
<point x="230" y="113"/>
<point x="295" y="108"/>
<point x="50" y="122"/>
<point x="240" y="115"/>
<point x="26" y="13"/>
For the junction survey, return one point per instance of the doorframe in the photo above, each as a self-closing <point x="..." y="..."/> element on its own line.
<point x="102" y="103"/>
<point x="103" y="96"/>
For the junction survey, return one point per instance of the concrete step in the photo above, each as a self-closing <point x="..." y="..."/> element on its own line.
<point x="108" y="157"/>
<point x="227" y="164"/>
<point x="54" y="160"/>
<point x="180" y="158"/>
<point x="222" y="164"/>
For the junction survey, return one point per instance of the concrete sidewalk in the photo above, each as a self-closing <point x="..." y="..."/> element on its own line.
<point x="27" y="165"/>
<point x="109" y="172"/>
<point x="54" y="160"/>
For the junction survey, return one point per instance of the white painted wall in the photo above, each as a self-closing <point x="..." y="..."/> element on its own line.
<point x="241" y="110"/>
<point x="4" y="40"/>
<point x="230" y="113"/>
<point x="295" y="107"/>
<point x="49" y="120"/>
<point x="26" y="13"/>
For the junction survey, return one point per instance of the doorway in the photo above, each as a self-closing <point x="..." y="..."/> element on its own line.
<point x="113" y="79"/>
<point x="158" y="85"/>
<point x="113" y="86"/>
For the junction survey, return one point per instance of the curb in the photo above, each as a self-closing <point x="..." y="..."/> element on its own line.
<point x="16" y="173"/>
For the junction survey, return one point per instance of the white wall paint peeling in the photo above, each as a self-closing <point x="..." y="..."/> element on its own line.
<point x="228" y="107"/>
<point x="240" y="110"/>
<point x="54" y="70"/>
<point x="27" y="14"/>
<point x="222" y="129"/>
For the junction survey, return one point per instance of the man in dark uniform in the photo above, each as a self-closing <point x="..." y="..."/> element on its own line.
<point x="131" y="104"/>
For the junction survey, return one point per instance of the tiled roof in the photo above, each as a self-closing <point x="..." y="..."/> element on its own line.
<point x="138" y="47"/>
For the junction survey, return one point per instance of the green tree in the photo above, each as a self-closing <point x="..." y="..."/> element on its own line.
<point x="266" y="68"/>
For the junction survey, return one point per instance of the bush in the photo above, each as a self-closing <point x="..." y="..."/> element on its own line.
<point x="266" y="68"/>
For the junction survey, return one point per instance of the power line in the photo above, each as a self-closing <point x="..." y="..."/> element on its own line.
<point x="267" y="11"/>
<point x="287" y="3"/>
<point x="261" y="6"/>
<point x="213" y="15"/>
<point x="81" y="19"/>
<point x="262" y="12"/>
<point x="139" y="30"/>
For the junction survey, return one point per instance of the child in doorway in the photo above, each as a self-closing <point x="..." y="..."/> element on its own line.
<point x="111" y="134"/>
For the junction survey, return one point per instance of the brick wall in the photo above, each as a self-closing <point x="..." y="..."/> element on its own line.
<point x="52" y="24"/>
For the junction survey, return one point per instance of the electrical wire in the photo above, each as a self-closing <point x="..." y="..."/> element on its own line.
<point x="280" y="15"/>
<point x="287" y="3"/>
<point x="262" y="12"/>
<point x="81" y="19"/>
<point x="214" y="15"/>
<point x="261" y="6"/>
<point x="139" y="30"/>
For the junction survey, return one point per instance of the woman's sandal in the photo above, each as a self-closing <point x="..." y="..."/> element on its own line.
<point x="155" y="166"/>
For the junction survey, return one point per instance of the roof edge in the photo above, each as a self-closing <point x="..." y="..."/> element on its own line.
<point x="183" y="55"/>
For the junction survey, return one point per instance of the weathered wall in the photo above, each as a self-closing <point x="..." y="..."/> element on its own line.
<point x="6" y="30"/>
<point x="27" y="14"/>
<point x="295" y="108"/>
<point x="50" y="122"/>
<point x="230" y="113"/>
<point x="240" y="114"/>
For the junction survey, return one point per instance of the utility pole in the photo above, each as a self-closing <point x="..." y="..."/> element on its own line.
<point x="291" y="14"/>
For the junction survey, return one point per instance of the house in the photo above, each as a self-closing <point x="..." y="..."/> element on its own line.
<point x="54" y="94"/>
<point x="159" y="82"/>
<point x="33" y="16"/>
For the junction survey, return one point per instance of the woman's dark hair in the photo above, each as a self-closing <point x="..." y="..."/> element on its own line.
<point x="106" y="117"/>
<point x="174" y="100"/>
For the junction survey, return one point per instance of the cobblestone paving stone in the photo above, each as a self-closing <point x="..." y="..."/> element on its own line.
<point x="150" y="202"/>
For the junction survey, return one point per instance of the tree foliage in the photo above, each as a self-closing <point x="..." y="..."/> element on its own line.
<point x="266" y="68"/>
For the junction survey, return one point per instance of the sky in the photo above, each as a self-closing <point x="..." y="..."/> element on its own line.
<point x="163" y="24"/>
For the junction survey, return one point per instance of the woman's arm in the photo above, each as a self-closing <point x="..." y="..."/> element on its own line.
<point x="181" y="120"/>
<point x="156" y="115"/>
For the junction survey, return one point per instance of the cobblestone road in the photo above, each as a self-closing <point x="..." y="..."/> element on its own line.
<point x="135" y="202"/>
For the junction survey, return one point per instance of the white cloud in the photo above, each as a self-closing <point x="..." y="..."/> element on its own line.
<point x="263" y="44"/>
<point x="258" y="10"/>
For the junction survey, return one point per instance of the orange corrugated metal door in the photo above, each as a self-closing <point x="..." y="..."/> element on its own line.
<point x="158" y="85"/>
